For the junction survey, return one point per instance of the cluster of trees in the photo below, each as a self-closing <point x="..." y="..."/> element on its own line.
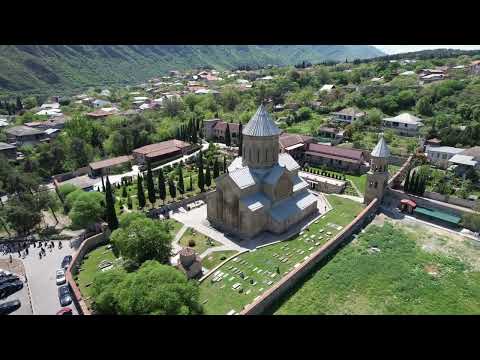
<point x="146" y="285"/>
<point x="191" y="131"/>
<point x="11" y="108"/>
<point x="325" y="173"/>
<point x="415" y="182"/>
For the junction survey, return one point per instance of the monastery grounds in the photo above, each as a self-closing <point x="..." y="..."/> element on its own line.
<point x="239" y="281"/>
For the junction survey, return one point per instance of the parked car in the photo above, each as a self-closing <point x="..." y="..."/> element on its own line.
<point x="64" y="295"/>
<point x="10" y="288"/>
<point x="60" y="276"/>
<point x="66" y="261"/>
<point x="5" y="273"/>
<point x="8" y="279"/>
<point x="9" y="306"/>
<point x="65" y="311"/>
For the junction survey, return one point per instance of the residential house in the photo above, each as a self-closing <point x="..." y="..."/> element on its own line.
<point x="439" y="155"/>
<point x="475" y="67"/>
<point x="53" y="123"/>
<point x="102" y="113"/>
<point x="8" y="150"/>
<point x="220" y="128"/>
<point x="24" y="135"/>
<point x="466" y="160"/>
<point x="52" y="133"/>
<point x="329" y="135"/>
<point x="163" y="151"/>
<point x="327" y="88"/>
<point x="347" y="115"/>
<point x="294" y="144"/>
<point x="336" y="158"/>
<point x="99" y="103"/>
<point x="404" y="124"/>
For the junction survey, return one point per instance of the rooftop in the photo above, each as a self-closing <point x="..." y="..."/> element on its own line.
<point x="337" y="152"/>
<point x="444" y="149"/>
<point x="161" y="146"/>
<point x="381" y="149"/>
<point x="351" y="111"/>
<point x="110" y="162"/>
<point x="261" y="124"/>
<point x="405" y="118"/>
<point x="23" y="131"/>
<point x="5" y="146"/>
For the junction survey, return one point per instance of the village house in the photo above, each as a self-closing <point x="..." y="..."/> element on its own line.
<point x="327" y="88"/>
<point x="53" y="123"/>
<point x="24" y="135"/>
<point x="102" y="113"/>
<point x="8" y="150"/>
<point x="336" y="158"/>
<point x="294" y="144"/>
<point x="105" y="167"/>
<point x="404" y="124"/>
<point x="99" y="103"/>
<point x="347" y="115"/>
<point x="163" y="151"/>
<point x="440" y="155"/>
<point x="330" y="135"/>
<point x="475" y="67"/>
<point x="214" y="129"/>
<point x="464" y="161"/>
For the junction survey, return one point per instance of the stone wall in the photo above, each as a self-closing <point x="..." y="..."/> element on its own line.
<point x="396" y="180"/>
<point x="70" y="175"/>
<point x="471" y="204"/>
<point x="86" y="246"/>
<point x="287" y="282"/>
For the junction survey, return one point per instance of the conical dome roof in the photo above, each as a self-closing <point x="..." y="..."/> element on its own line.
<point x="261" y="124"/>
<point x="381" y="149"/>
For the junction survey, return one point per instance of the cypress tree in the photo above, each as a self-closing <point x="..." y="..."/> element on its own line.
<point x="110" y="207"/>
<point x="190" y="188"/>
<point x="240" y="139"/>
<point x="124" y="191"/>
<point x="172" y="189"/>
<point x="129" y="203"/>
<point x="19" y="104"/>
<point x="208" y="176"/>
<point x="150" y="185"/>
<point x="201" y="179"/>
<point x="228" y="140"/>
<point x="406" y="184"/>
<point x="181" y="186"/>
<point x="162" y="191"/>
<point x="225" y="170"/>
<point x="140" y="193"/>
<point x="414" y="187"/>
<point x="216" y="170"/>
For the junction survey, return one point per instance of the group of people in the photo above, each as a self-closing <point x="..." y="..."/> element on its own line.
<point x="22" y="248"/>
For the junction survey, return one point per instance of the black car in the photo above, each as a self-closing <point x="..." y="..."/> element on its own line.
<point x="66" y="261"/>
<point x="9" y="307"/>
<point x="8" y="279"/>
<point x="9" y="288"/>
<point x="64" y="295"/>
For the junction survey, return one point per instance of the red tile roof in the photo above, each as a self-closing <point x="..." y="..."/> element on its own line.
<point x="222" y="126"/>
<point x="173" y="145"/>
<point x="287" y="140"/>
<point x="335" y="152"/>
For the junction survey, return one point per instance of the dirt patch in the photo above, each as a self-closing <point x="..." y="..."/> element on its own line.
<point x="432" y="269"/>
<point x="16" y="266"/>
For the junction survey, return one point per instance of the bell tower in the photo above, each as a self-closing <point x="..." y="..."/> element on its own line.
<point x="377" y="176"/>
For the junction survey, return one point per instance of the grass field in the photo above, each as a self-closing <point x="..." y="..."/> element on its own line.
<point x="217" y="257"/>
<point x="89" y="267"/>
<point x="258" y="270"/>
<point x="392" y="270"/>
<point x="202" y="242"/>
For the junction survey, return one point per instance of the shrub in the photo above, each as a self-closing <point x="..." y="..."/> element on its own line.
<point x="191" y="243"/>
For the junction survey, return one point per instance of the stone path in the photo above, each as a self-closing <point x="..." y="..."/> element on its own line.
<point x="178" y="236"/>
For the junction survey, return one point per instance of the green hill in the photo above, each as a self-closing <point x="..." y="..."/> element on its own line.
<point x="46" y="69"/>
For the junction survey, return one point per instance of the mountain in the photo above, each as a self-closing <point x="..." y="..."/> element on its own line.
<point x="46" y="69"/>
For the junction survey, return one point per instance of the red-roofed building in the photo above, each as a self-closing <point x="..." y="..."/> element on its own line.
<point x="336" y="158"/>
<point x="166" y="150"/>
<point x="294" y="144"/>
<point x="215" y="129"/>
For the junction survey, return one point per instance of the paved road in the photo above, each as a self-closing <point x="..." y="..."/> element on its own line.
<point x="41" y="279"/>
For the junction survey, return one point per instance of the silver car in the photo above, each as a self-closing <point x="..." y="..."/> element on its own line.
<point x="60" y="276"/>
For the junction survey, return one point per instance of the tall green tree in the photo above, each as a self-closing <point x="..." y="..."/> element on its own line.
<point x="406" y="184"/>
<point x="180" y="184"/>
<point x="150" y="185"/>
<point x="228" y="140"/>
<point x="19" y="104"/>
<point x="216" y="170"/>
<point x="162" y="191"/>
<point x="111" y="215"/>
<point x="140" y="193"/>
<point x="190" y="188"/>
<point x="208" y="176"/>
<point x="225" y="169"/>
<point x="201" y="175"/>
<point x="172" y="188"/>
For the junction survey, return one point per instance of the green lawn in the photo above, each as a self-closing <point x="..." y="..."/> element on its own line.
<point x="386" y="271"/>
<point x="89" y="267"/>
<point x="202" y="242"/>
<point x="217" y="257"/>
<point x="262" y="266"/>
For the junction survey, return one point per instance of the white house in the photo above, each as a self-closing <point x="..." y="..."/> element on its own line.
<point x="440" y="155"/>
<point x="327" y="87"/>
<point x="404" y="124"/>
<point x="347" y="115"/>
<point x="100" y="103"/>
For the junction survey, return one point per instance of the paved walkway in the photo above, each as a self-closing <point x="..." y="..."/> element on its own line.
<point x="176" y="247"/>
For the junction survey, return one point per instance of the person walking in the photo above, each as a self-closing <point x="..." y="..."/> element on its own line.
<point x="11" y="259"/>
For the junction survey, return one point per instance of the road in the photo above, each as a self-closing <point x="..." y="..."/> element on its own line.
<point x="41" y="279"/>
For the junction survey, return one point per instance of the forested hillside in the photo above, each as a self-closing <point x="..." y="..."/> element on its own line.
<point x="43" y="69"/>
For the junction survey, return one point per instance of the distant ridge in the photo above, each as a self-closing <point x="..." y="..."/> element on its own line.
<point x="45" y="69"/>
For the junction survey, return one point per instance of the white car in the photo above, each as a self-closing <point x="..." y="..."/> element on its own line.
<point x="60" y="275"/>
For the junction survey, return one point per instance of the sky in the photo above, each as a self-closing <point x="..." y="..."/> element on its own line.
<point x="395" y="49"/>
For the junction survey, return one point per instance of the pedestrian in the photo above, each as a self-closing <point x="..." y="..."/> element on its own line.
<point x="19" y="254"/>
<point x="26" y="250"/>
<point x="11" y="259"/>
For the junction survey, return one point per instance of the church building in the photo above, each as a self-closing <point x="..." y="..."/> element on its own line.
<point x="262" y="190"/>
<point x="377" y="176"/>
